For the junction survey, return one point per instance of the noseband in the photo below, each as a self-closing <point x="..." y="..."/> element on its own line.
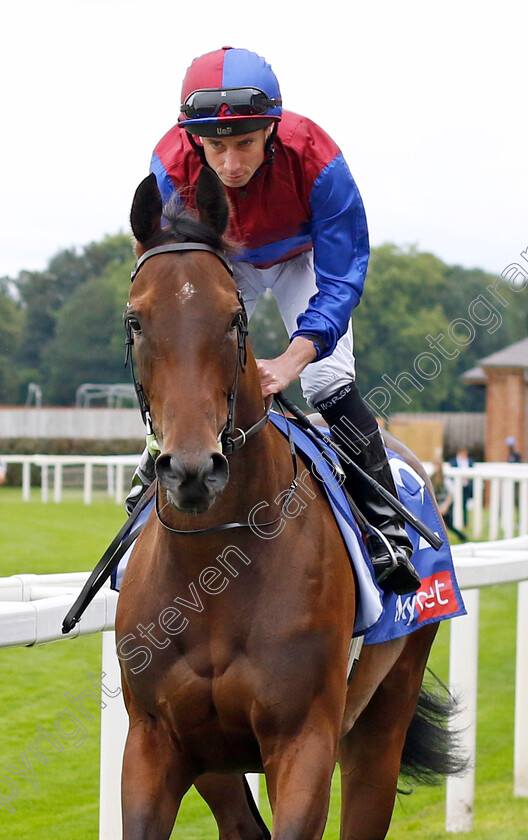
<point x="228" y="442"/>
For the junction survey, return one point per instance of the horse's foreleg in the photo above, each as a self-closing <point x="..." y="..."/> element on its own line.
<point x="154" y="781"/>
<point x="370" y="754"/>
<point x="298" y="775"/>
<point x="226" y="797"/>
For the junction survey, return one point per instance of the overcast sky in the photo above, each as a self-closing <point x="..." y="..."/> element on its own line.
<point x="427" y="101"/>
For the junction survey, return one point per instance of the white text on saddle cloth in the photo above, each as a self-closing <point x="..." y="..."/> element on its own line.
<point x="435" y="598"/>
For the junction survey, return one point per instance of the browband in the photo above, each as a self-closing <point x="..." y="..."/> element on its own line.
<point x="179" y="246"/>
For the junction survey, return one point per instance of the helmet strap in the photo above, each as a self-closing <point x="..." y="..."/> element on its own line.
<point x="197" y="148"/>
<point x="269" y="148"/>
<point x="272" y="136"/>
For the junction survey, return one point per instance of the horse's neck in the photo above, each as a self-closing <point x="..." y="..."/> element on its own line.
<point x="264" y="463"/>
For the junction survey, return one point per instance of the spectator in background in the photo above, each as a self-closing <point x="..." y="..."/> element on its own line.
<point x="463" y="461"/>
<point x="513" y="456"/>
<point x="444" y="496"/>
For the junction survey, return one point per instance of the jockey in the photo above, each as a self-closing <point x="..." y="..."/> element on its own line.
<point x="298" y="214"/>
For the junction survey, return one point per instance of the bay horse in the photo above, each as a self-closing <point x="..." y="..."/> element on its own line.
<point x="233" y="641"/>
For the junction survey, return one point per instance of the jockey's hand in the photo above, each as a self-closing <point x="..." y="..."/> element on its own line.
<point x="276" y="374"/>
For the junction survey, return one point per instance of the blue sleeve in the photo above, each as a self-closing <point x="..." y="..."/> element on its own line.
<point x="341" y="253"/>
<point x="165" y="185"/>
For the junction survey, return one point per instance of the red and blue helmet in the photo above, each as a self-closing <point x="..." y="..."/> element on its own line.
<point x="229" y="92"/>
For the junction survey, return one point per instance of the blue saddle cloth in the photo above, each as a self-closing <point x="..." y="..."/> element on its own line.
<point x="380" y="616"/>
<point x="439" y="596"/>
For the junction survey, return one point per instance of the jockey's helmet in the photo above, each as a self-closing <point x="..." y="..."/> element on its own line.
<point x="228" y="92"/>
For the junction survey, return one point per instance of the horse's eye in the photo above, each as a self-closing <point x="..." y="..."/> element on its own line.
<point x="134" y="324"/>
<point x="235" y="321"/>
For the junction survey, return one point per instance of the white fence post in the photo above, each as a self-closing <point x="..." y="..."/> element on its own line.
<point x="114" y="728"/>
<point x="520" y="760"/>
<point x="478" y="505"/>
<point x="253" y="780"/>
<point x="26" y="481"/>
<point x="494" y="509"/>
<point x="507" y="508"/>
<point x="463" y="679"/>
<point x="57" y="483"/>
<point x="44" y="482"/>
<point x="458" y="502"/>
<point x="88" y="483"/>
<point x="523" y="507"/>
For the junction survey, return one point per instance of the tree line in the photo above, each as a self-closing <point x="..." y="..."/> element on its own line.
<point x="62" y="327"/>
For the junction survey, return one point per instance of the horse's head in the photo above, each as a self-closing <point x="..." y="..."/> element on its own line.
<point x="185" y="317"/>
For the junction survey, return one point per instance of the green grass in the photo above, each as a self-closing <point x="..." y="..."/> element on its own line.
<point x="71" y="537"/>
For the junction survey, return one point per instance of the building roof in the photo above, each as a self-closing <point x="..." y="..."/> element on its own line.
<point x="474" y="376"/>
<point x="516" y="355"/>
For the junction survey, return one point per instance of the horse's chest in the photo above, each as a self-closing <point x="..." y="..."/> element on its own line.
<point x="205" y="712"/>
<point x="217" y="692"/>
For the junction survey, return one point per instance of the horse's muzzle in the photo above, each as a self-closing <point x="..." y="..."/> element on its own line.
<point x="192" y="487"/>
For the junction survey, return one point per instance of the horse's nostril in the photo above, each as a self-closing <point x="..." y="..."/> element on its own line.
<point x="219" y="469"/>
<point x="165" y="466"/>
<point x="211" y="471"/>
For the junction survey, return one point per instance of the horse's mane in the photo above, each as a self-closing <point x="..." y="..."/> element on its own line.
<point x="183" y="225"/>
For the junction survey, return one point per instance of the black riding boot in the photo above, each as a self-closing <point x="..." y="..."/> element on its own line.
<point x="356" y="431"/>
<point x="400" y="577"/>
<point x="144" y="475"/>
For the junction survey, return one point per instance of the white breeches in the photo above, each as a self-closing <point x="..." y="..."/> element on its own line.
<point x="292" y="284"/>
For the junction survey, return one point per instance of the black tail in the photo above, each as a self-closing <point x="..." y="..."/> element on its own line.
<point x="431" y="750"/>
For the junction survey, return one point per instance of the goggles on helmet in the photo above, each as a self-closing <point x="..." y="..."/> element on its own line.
<point x="241" y="101"/>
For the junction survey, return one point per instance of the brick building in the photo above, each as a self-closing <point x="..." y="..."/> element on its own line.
<point x="505" y="377"/>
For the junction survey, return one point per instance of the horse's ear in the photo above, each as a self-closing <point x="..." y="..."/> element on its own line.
<point x="145" y="216"/>
<point x="211" y="201"/>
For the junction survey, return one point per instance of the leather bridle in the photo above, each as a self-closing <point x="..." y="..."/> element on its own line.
<point x="229" y="441"/>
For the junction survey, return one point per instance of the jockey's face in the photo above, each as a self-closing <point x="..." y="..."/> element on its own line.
<point x="236" y="159"/>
